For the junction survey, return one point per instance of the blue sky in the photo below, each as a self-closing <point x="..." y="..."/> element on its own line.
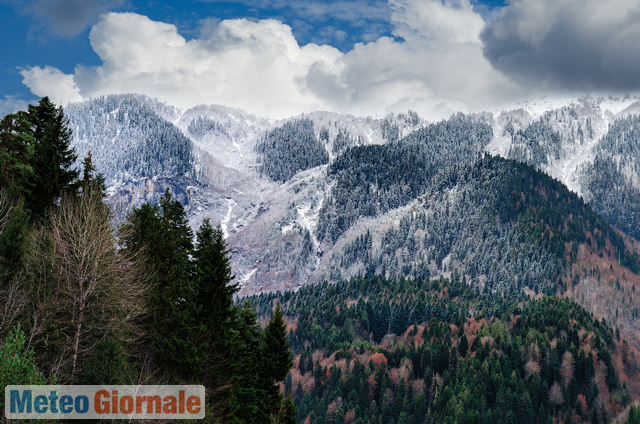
<point x="279" y="57"/>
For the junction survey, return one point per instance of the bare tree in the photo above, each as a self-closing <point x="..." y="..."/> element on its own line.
<point x="555" y="396"/>
<point x="98" y="291"/>
<point x="567" y="369"/>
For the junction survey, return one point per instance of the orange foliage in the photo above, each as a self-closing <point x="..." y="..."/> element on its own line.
<point x="378" y="358"/>
<point x="582" y="401"/>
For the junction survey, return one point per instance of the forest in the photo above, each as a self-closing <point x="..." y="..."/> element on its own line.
<point x="133" y="141"/>
<point x="608" y="182"/>
<point x="372" y="350"/>
<point x="450" y="314"/>
<point x="90" y="298"/>
<point x="293" y="147"/>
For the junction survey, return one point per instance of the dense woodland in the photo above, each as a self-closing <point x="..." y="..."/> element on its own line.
<point x="293" y="147"/>
<point x="87" y="299"/>
<point x="133" y="140"/>
<point x="608" y="180"/>
<point x="418" y="351"/>
<point x="371" y="180"/>
<point x="201" y="126"/>
<point x="507" y="225"/>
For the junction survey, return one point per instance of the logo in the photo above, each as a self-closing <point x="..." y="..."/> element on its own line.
<point x="104" y="402"/>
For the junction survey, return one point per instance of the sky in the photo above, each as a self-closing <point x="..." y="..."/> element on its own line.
<point x="279" y="58"/>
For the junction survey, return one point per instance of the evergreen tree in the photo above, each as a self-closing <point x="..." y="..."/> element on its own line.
<point x="52" y="156"/>
<point x="163" y="234"/>
<point x="91" y="179"/>
<point x="16" y="152"/>
<point x="277" y="357"/>
<point x="17" y="363"/>
<point x="287" y="413"/>
<point x="14" y="228"/>
<point x="215" y="311"/>
<point x="247" y="403"/>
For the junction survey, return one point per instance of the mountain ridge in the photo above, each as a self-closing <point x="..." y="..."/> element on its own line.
<point x="278" y="229"/>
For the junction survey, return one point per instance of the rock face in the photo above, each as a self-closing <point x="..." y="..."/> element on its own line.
<point x="356" y="212"/>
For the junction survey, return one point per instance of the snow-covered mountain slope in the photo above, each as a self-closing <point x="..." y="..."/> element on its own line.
<point x="287" y="229"/>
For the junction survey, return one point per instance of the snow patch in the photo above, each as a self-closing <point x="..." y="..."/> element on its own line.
<point x="247" y="276"/>
<point x="225" y="222"/>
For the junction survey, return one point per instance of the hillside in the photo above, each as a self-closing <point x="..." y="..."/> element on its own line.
<point x="325" y="196"/>
<point x="373" y="350"/>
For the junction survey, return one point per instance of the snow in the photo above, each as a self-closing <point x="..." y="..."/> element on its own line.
<point x="225" y="222"/>
<point x="232" y="193"/>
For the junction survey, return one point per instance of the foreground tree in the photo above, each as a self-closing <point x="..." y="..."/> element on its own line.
<point x="16" y="152"/>
<point x="17" y="362"/>
<point x="93" y="290"/>
<point x="161" y="234"/>
<point x="52" y="157"/>
<point x="197" y="332"/>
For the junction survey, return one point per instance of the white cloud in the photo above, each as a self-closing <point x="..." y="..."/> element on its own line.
<point x="259" y="66"/>
<point x="253" y="65"/>
<point x="12" y="104"/>
<point x="52" y="82"/>
<point x="437" y="69"/>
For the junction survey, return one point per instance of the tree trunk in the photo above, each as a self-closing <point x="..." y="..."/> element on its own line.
<point x="76" y="342"/>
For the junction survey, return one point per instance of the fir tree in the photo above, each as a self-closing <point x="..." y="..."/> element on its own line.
<point x="52" y="156"/>
<point x="215" y="311"/>
<point x="162" y="232"/>
<point x="277" y="357"/>
<point x="16" y="152"/>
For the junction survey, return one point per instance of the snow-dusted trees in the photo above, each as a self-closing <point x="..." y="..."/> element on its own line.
<point x="608" y="182"/>
<point x="371" y="180"/>
<point x="536" y="144"/>
<point x="203" y="125"/>
<point x="129" y="139"/>
<point x="290" y="148"/>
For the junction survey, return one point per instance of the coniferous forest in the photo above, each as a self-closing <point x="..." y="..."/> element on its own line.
<point x="455" y="313"/>
<point x="90" y="299"/>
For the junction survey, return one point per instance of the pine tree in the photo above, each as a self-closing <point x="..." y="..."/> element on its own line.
<point x="91" y="179"/>
<point x="14" y="228"/>
<point x="52" y="156"/>
<point x="214" y="276"/>
<point x="216" y="312"/>
<point x="16" y="152"/>
<point x="17" y="362"/>
<point x="287" y="413"/>
<point x="247" y="402"/>
<point x="277" y="358"/>
<point x="163" y="234"/>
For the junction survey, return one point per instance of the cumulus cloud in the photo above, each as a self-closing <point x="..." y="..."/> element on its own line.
<point x="575" y="44"/>
<point x="437" y="69"/>
<point x="434" y="65"/>
<point x="52" y="82"/>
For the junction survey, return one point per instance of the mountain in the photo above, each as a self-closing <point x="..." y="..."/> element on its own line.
<point x="328" y="196"/>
